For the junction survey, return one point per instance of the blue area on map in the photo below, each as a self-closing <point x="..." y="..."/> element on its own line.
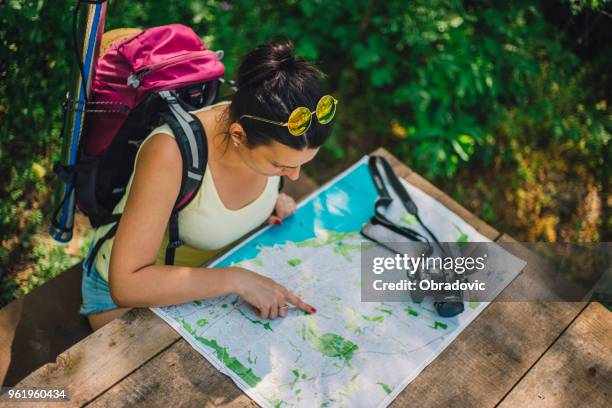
<point x="344" y="206"/>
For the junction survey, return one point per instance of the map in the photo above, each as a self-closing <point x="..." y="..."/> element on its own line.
<point x="349" y="353"/>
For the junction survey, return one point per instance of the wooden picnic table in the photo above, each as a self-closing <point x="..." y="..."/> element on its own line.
<point x="512" y="354"/>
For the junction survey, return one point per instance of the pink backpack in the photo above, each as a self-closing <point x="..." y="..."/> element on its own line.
<point x="154" y="77"/>
<point x="161" y="58"/>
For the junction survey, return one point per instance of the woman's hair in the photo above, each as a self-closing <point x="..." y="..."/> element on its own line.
<point x="272" y="82"/>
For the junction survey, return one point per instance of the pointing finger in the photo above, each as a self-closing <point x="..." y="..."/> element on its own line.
<point x="296" y="301"/>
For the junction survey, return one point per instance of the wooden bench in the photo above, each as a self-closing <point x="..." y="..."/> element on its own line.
<point x="510" y="354"/>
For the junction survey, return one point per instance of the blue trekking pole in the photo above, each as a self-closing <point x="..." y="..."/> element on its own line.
<point x="90" y="16"/>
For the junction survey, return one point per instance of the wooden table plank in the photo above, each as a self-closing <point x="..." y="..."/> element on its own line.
<point x="575" y="371"/>
<point x="100" y="360"/>
<point x="178" y="377"/>
<point x="494" y="351"/>
<point x="146" y="384"/>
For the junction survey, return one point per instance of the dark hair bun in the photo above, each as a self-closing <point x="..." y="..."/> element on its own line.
<point x="270" y="61"/>
<point x="281" y="54"/>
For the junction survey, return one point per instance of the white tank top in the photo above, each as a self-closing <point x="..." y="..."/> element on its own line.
<point x="206" y="226"/>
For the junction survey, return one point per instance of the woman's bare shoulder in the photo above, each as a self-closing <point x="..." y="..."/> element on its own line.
<point x="159" y="159"/>
<point x="161" y="148"/>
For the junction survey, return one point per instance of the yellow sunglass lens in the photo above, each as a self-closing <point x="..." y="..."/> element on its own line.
<point x="299" y="121"/>
<point x="326" y="109"/>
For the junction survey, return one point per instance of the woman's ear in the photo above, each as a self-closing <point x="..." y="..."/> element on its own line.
<point x="237" y="133"/>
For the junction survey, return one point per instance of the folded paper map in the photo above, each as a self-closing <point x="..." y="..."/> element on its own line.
<point x="350" y="353"/>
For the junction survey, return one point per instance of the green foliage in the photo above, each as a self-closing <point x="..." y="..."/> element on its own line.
<point x="576" y="6"/>
<point x="448" y="86"/>
<point x="441" y="72"/>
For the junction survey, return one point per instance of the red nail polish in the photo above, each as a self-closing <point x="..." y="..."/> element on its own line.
<point x="277" y="222"/>
<point x="313" y="310"/>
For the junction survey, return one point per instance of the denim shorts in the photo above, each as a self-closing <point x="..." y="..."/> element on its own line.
<point x="95" y="290"/>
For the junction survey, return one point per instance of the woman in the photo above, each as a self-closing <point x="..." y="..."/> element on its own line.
<point x="250" y="146"/>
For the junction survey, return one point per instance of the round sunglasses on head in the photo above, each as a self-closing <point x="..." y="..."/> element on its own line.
<point x="301" y="118"/>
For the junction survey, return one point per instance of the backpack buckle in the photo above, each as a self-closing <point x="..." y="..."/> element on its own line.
<point x="168" y="97"/>
<point x="133" y="81"/>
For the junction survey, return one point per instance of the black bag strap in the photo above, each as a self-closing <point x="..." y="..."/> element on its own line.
<point x="385" y="198"/>
<point x="173" y="238"/>
<point x="109" y="234"/>
<point x="281" y="184"/>
<point x="191" y="139"/>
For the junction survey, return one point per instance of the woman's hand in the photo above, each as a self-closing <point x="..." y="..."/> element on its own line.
<point x="270" y="298"/>
<point x="285" y="206"/>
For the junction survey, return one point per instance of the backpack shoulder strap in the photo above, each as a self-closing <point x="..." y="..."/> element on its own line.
<point x="281" y="183"/>
<point x="191" y="140"/>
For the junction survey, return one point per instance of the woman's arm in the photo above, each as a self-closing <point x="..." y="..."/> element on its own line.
<point x="135" y="280"/>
